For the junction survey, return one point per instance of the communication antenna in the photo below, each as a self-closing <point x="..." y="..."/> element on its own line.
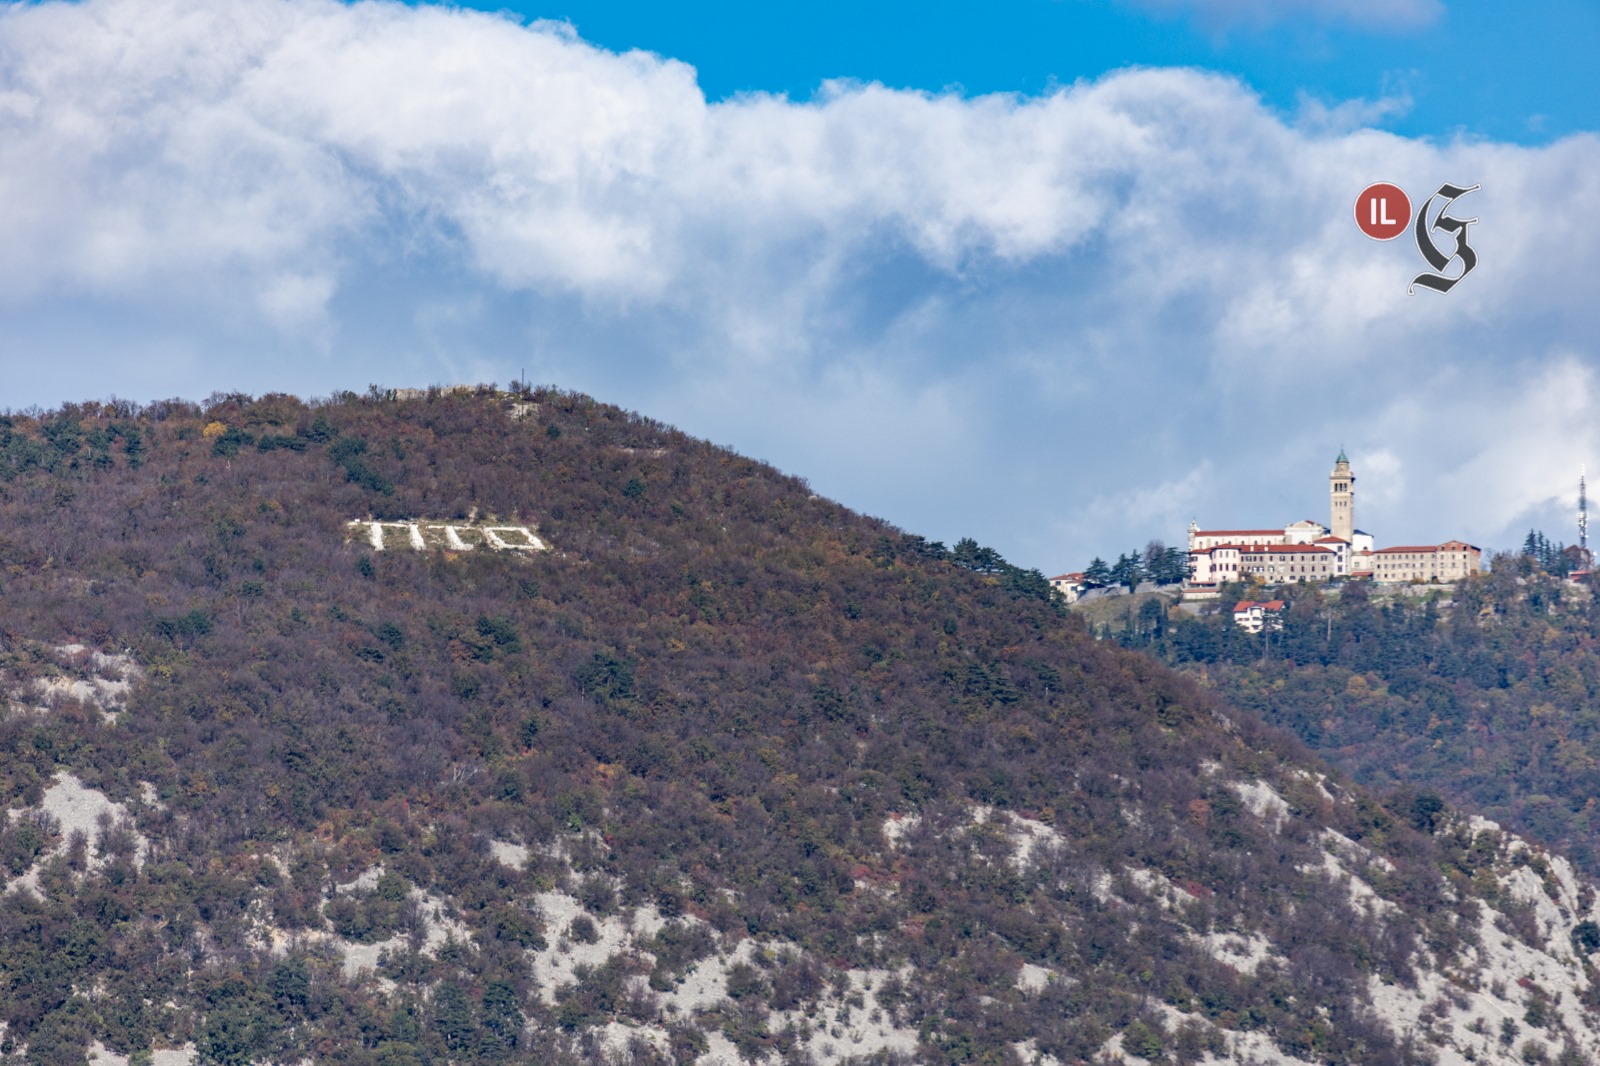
<point x="1583" y="511"/>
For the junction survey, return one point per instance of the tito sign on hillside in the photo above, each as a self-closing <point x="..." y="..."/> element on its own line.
<point x="449" y="536"/>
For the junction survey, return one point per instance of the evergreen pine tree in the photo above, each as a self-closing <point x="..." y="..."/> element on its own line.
<point x="1128" y="571"/>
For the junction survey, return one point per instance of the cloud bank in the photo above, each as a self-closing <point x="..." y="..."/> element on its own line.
<point x="1064" y="324"/>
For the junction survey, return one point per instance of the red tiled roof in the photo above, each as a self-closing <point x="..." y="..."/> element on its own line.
<point x="1272" y="605"/>
<point x="1068" y="577"/>
<point x="1330" y="540"/>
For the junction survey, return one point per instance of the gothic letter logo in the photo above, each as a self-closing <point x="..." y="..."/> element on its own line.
<point x="1438" y="260"/>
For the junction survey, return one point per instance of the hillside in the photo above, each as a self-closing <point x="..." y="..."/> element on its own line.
<point x="727" y="773"/>
<point x="1485" y="693"/>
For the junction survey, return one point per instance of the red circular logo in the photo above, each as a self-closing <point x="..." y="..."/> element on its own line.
<point x="1383" y="211"/>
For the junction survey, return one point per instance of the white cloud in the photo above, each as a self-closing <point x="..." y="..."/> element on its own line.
<point x="1167" y="507"/>
<point x="296" y="301"/>
<point x="1382" y="482"/>
<point x="1021" y="309"/>
<point x="1544" y="432"/>
<point x="1319" y="116"/>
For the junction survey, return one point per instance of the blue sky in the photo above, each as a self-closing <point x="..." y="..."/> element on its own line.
<point x="1522" y="73"/>
<point x="1060" y="276"/>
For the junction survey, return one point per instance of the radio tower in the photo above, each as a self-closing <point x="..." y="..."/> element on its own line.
<point x="1583" y="512"/>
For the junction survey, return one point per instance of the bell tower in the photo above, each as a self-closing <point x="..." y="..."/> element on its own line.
<point x="1342" y="491"/>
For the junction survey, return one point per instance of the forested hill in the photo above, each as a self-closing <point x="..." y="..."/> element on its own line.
<point x="1486" y="694"/>
<point x="726" y="774"/>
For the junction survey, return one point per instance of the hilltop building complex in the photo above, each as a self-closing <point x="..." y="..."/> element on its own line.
<point x="1309" y="551"/>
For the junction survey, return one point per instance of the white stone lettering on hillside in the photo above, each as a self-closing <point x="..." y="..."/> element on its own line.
<point x="448" y="536"/>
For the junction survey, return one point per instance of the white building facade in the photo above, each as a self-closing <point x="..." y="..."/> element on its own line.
<point x="1450" y="561"/>
<point x="1309" y="551"/>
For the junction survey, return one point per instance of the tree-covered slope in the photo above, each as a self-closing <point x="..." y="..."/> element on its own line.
<point x="1487" y="694"/>
<point x="729" y="773"/>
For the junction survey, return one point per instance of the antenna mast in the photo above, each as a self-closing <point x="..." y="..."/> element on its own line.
<point x="1583" y="511"/>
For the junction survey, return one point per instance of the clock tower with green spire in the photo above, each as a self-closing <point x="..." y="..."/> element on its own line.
<point x="1342" y="490"/>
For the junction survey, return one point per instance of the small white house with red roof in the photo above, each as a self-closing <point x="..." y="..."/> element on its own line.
<point x="1254" y="616"/>
<point x="1071" y="586"/>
